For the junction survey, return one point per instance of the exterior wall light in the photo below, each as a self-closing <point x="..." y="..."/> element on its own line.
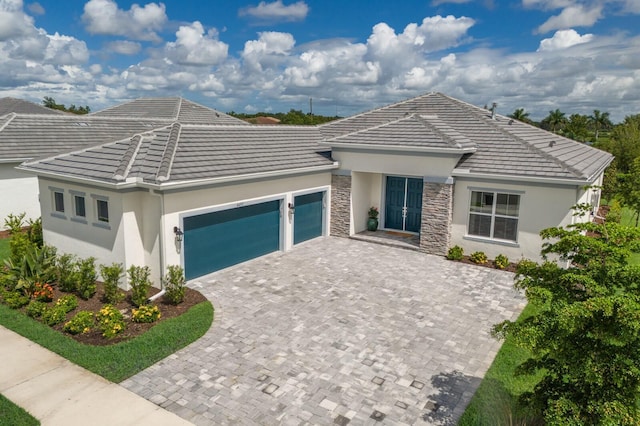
<point x="179" y="234"/>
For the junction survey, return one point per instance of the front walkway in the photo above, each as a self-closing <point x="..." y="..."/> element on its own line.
<point x="337" y="331"/>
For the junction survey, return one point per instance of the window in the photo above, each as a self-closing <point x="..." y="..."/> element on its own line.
<point x="103" y="210"/>
<point x="494" y="215"/>
<point x="80" y="210"/>
<point x="58" y="201"/>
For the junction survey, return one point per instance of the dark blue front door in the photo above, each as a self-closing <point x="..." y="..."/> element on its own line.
<point x="307" y="219"/>
<point x="403" y="203"/>
<point x="216" y="240"/>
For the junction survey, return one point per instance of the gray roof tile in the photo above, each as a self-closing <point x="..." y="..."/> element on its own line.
<point x="20" y="106"/>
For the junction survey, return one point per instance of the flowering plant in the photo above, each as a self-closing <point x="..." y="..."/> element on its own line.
<point x="110" y="321"/>
<point x="146" y="313"/>
<point x="43" y="292"/>
<point x="373" y="213"/>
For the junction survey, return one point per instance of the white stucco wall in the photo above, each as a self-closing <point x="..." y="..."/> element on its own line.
<point x="541" y="206"/>
<point x="19" y="193"/>
<point x="366" y="192"/>
<point x="389" y="163"/>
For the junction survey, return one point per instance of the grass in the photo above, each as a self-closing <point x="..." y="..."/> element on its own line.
<point x="122" y="360"/>
<point x="494" y="403"/>
<point x="11" y="414"/>
<point x="629" y="219"/>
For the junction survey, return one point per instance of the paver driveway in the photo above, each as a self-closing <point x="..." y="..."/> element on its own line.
<point x="337" y="331"/>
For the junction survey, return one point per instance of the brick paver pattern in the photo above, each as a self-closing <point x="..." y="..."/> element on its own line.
<point x="337" y="331"/>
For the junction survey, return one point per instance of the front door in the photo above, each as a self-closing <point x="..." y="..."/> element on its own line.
<point x="403" y="203"/>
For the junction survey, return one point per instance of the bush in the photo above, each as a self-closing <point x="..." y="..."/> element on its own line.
<point x="455" y="253"/>
<point x="68" y="303"/>
<point x="86" y="278"/>
<point x="14" y="299"/>
<point x="174" y="285"/>
<point x="34" y="232"/>
<point x="479" y="257"/>
<point x="35" y="265"/>
<point x="66" y="271"/>
<point x="140" y="284"/>
<point x="111" y="276"/>
<point x="615" y="212"/>
<point x="82" y="322"/>
<point x="111" y="321"/>
<point x="36" y="308"/>
<point x="501" y="261"/>
<point x="54" y="315"/>
<point x="145" y="313"/>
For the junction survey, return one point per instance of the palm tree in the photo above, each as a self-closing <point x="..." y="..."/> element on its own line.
<point x="555" y="120"/>
<point x="520" y="115"/>
<point x="600" y="121"/>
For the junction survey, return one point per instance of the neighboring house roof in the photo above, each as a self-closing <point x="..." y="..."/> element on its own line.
<point x="174" y="109"/>
<point x="504" y="147"/>
<point x="267" y="120"/>
<point x="20" y="106"/>
<point x="27" y="136"/>
<point x="181" y="153"/>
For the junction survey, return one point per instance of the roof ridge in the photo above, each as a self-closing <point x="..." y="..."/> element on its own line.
<point x="126" y="162"/>
<point x="164" y="171"/>
<point x="179" y="109"/>
<point x="494" y="124"/>
<point x="368" y="129"/>
<point x="426" y="119"/>
<point x="9" y="118"/>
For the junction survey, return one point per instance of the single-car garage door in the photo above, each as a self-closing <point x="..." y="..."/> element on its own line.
<point x="216" y="240"/>
<point x="307" y="219"/>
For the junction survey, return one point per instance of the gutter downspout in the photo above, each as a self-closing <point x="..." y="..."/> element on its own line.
<point x="161" y="247"/>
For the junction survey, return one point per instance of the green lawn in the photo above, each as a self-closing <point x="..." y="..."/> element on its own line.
<point x="494" y="403"/>
<point x="122" y="360"/>
<point x="11" y="414"/>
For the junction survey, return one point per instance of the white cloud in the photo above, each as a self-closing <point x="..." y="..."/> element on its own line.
<point x="268" y="51"/>
<point x="13" y="22"/>
<point x="563" y="39"/>
<point x="65" y="50"/>
<point x="124" y="47"/>
<point x="139" y="23"/>
<point x="36" y="8"/>
<point x="277" y="11"/>
<point x="572" y="16"/>
<point x="194" y="47"/>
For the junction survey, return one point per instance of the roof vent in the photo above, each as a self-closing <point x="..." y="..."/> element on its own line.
<point x="551" y="144"/>
<point x="511" y="121"/>
<point x="493" y="110"/>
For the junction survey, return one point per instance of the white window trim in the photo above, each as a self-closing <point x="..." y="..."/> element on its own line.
<point x="97" y="222"/>
<point x="74" y="216"/>
<point x="56" y="213"/>
<point x="493" y="215"/>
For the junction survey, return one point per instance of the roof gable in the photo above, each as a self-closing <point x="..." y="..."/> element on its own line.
<point x="20" y="106"/>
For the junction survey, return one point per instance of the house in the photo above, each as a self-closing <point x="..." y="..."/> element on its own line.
<point x="210" y="195"/>
<point x="29" y="131"/>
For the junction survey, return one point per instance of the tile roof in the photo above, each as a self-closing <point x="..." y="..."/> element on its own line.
<point x="174" y="109"/>
<point x="503" y="146"/>
<point x="187" y="152"/>
<point x="9" y="105"/>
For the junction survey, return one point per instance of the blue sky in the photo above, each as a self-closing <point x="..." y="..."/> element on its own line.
<point x="349" y="56"/>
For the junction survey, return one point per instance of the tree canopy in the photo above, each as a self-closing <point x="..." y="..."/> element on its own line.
<point x="585" y="337"/>
<point x="292" y="117"/>
<point x="49" y="102"/>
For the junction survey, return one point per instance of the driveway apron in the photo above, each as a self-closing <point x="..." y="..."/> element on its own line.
<point x="337" y="331"/>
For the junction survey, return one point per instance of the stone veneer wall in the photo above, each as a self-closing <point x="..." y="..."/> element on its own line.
<point x="340" y="205"/>
<point x="437" y="213"/>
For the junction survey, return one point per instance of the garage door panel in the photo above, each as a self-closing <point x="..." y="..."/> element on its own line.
<point x="307" y="220"/>
<point x="221" y="239"/>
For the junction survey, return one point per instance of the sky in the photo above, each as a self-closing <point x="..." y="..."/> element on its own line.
<point x="346" y="56"/>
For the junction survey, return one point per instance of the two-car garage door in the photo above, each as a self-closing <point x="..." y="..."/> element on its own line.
<point x="219" y="239"/>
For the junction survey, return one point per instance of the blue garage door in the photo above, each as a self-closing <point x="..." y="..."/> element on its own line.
<point x="216" y="240"/>
<point x="307" y="219"/>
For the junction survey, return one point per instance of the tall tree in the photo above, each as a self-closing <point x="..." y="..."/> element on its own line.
<point x="584" y="338"/>
<point x="629" y="188"/>
<point x="600" y="121"/>
<point x="555" y="120"/>
<point x="577" y="128"/>
<point x="521" y="115"/>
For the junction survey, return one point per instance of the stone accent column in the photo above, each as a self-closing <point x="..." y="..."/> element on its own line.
<point x="437" y="214"/>
<point x="340" y="205"/>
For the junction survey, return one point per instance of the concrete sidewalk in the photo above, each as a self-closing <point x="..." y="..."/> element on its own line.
<point x="58" y="392"/>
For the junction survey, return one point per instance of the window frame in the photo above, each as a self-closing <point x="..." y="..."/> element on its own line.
<point x="495" y="193"/>
<point x="75" y="204"/>
<point x="99" y="216"/>
<point x="98" y="220"/>
<point x="58" y="207"/>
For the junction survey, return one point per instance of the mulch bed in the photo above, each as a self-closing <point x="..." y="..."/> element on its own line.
<point x="167" y="310"/>
<point x="490" y="264"/>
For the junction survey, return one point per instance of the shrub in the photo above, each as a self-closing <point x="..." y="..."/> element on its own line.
<point x="615" y="212"/>
<point x="68" y="303"/>
<point x="140" y="284"/>
<point x="145" y="313"/>
<point x="174" y="285"/>
<point x="455" y="253"/>
<point x="66" y="271"/>
<point x="81" y="323"/>
<point x="36" y="265"/>
<point x="111" y="321"/>
<point x="36" y="308"/>
<point x="14" y="299"/>
<point x="111" y="276"/>
<point x="479" y="257"/>
<point x="86" y="278"/>
<point x="54" y="315"/>
<point x="43" y="292"/>
<point x="501" y="261"/>
<point x="34" y="232"/>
